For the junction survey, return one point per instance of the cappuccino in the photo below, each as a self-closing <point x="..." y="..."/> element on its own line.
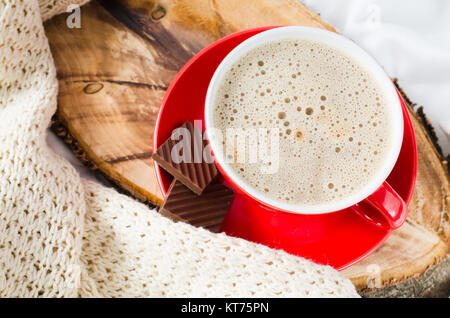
<point x="332" y="119"/>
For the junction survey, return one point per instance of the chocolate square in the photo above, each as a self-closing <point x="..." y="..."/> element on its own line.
<point x="207" y="210"/>
<point x="187" y="163"/>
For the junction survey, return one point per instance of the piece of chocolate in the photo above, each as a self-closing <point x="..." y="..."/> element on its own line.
<point x="207" y="210"/>
<point x="183" y="157"/>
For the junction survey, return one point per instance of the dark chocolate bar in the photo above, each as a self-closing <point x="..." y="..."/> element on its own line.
<point x="207" y="210"/>
<point x="187" y="163"/>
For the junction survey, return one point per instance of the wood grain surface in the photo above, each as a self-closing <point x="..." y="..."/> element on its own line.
<point x="113" y="73"/>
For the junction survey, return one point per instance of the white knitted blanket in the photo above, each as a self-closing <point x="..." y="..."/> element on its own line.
<point x="61" y="235"/>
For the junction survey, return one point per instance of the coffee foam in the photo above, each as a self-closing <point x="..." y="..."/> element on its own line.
<point x="333" y="118"/>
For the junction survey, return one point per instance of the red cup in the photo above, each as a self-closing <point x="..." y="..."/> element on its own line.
<point x="377" y="202"/>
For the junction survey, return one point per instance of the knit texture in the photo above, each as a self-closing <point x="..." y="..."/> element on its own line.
<point x="63" y="236"/>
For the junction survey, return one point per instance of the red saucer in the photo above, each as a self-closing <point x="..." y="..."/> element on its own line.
<point x="338" y="239"/>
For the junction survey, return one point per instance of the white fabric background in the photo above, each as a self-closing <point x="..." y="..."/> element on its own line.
<point x="410" y="39"/>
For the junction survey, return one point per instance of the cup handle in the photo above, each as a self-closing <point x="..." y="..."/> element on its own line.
<point x="390" y="209"/>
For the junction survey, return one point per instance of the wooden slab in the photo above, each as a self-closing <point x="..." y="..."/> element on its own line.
<point x="114" y="71"/>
